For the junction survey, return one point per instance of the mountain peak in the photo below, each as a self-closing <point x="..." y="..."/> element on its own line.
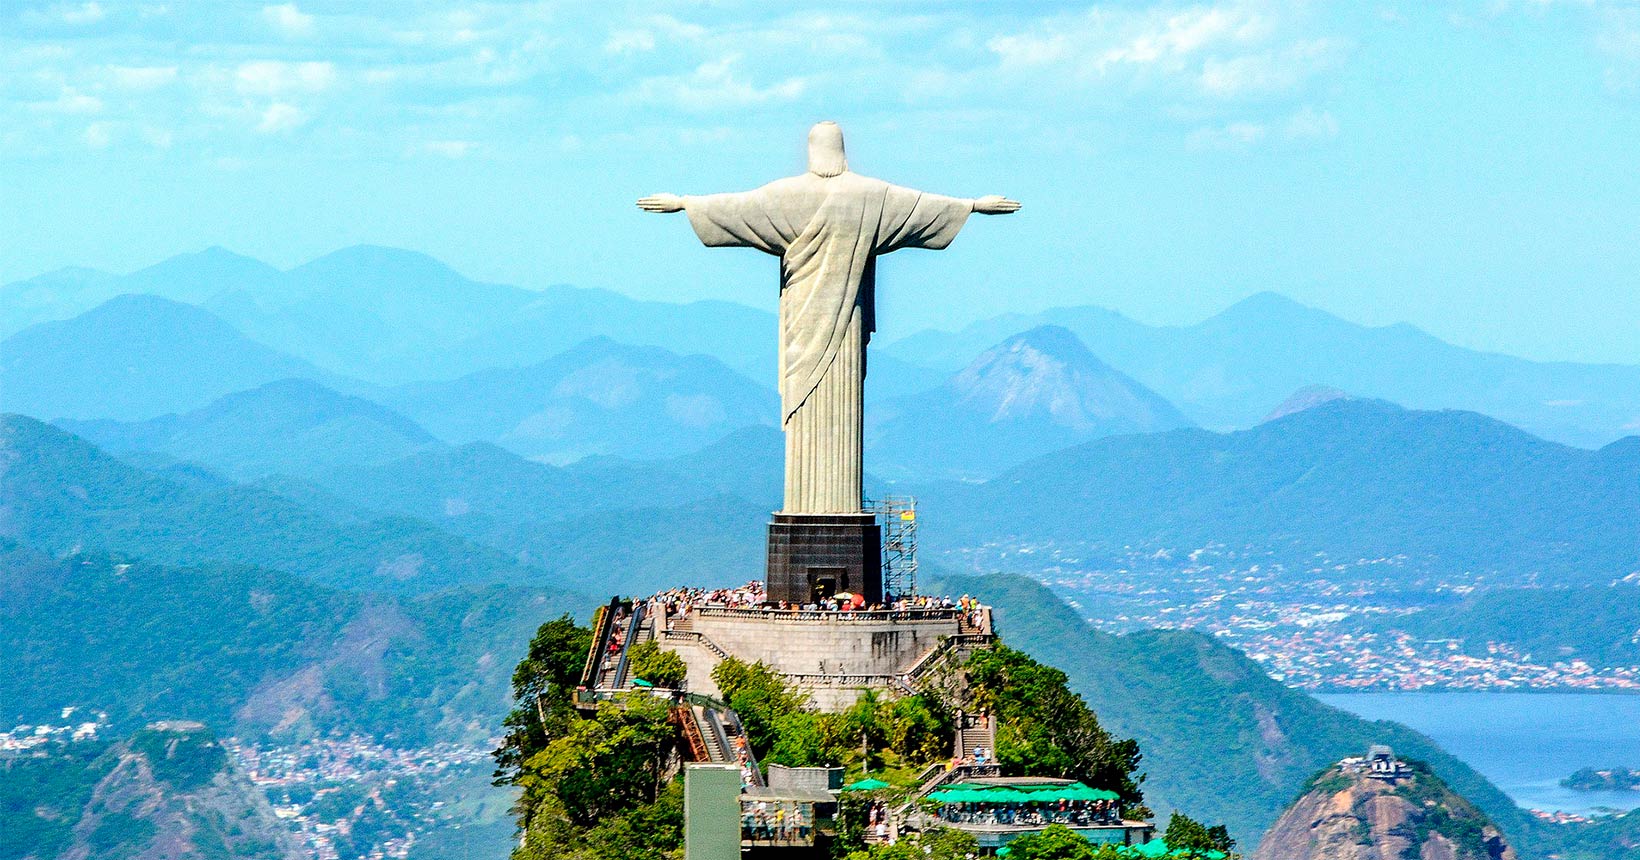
<point x="196" y="277"/>
<point x="1270" y="309"/>
<point x="1051" y="340"/>
<point x="1047" y="372"/>
<point x="1308" y="397"/>
<point x="142" y="310"/>
<point x="303" y="403"/>
<point x="1377" y="806"/>
<point x="377" y="263"/>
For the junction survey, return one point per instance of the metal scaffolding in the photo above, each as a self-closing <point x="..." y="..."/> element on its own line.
<point x="898" y="517"/>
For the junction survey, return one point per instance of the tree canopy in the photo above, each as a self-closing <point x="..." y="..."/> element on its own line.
<point x="1044" y="729"/>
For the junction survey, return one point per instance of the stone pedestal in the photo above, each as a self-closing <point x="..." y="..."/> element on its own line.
<point x="817" y="555"/>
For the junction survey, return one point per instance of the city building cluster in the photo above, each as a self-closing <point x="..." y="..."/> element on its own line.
<point x="1316" y="623"/>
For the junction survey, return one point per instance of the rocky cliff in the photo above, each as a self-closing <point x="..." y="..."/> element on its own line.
<point x="169" y="793"/>
<point x="1351" y="812"/>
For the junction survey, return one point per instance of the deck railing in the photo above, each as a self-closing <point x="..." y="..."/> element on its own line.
<point x="856" y="616"/>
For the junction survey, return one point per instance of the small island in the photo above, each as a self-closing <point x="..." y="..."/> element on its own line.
<point x="1604" y="779"/>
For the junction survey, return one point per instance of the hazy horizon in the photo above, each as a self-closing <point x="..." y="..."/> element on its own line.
<point x="889" y="335"/>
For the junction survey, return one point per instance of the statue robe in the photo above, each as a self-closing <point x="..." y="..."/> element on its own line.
<point x="827" y="232"/>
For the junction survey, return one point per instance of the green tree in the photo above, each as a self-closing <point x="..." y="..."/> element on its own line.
<point x="800" y="741"/>
<point x="603" y="766"/>
<point x="1184" y="832"/>
<point x="864" y="720"/>
<point x="1056" y="842"/>
<point x="657" y="666"/>
<point x="918" y="728"/>
<point x="544" y="690"/>
<point x="941" y="843"/>
<point x="653" y="831"/>
<point x="759" y="696"/>
<point x="1044" y="729"/>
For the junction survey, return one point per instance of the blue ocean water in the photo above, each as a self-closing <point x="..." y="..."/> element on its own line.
<point x="1524" y="742"/>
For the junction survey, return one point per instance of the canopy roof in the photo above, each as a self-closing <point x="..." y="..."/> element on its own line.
<point x="975" y="792"/>
<point x="871" y="784"/>
<point x="1159" y="848"/>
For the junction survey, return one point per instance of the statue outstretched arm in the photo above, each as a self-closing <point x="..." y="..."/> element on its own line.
<point x="661" y="203"/>
<point x="990" y="204"/>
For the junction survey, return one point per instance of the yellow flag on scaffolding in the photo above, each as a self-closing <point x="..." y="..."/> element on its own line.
<point x="908" y="516"/>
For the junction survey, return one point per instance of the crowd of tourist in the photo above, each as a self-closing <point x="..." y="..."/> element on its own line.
<point x="774" y="821"/>
<point x="1073" y="813"/>
<point x="679" y="603"/>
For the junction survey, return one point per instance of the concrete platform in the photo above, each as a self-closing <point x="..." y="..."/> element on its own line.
<point x="831" y="655"/>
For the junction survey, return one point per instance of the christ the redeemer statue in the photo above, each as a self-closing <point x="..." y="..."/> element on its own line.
<point x="827" y="227"/>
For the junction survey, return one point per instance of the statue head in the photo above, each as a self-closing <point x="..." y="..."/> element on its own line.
<point x="826" y="149"/>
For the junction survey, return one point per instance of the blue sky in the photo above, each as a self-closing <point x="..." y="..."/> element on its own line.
<point x="1472" y="168"/>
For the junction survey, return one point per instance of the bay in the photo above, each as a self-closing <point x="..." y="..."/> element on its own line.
<point x="1524" y="742"/>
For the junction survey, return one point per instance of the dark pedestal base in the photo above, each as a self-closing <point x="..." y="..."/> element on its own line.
<point x="812" y="556"/>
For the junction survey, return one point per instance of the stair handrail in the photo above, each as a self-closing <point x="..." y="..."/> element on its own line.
<point x="751" y="754"/>
<point x="626" y="646"/>
<point x="685" y="718"/>
<point x="603" y="619"/>
<point x="697" y="636"/>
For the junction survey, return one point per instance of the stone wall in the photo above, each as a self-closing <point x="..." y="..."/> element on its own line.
<point x="832" y="655"/>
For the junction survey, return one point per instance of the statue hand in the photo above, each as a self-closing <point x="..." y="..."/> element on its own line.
<point x="995" y="204"/>
<point x="663" y="203"/>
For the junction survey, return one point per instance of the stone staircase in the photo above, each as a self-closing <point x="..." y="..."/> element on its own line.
<point x="973" y="731"/>
<point x="715" y="753"/>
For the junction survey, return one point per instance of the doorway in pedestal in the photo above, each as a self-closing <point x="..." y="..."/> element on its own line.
<point x="826" y="581"/>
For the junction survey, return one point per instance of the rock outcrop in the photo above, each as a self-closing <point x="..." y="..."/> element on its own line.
<point x="1351" y="812"/>
<point x="170" y="793"/>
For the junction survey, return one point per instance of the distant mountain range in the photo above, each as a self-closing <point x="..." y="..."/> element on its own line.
<point x="1232" y="369"/>
<point x="1353" y="478"/>
<point x="389" y="317"/>
<point x="64" y="495"/>
<point x="1036" y="392"/>
<point x="135" y="357"/>
<point x="1348" y="477"/>
<point x="441" y="516"/>
<point x="600" y="397"/>
<point x="176" y="365"/>
<point x="294" y="427"/>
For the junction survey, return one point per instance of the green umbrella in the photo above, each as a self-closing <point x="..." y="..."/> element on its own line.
<point x="639" y="682"/>
<point x="871" y="784"/>
<point x="1079" y="791"/>
<point x="1004" y="851"/>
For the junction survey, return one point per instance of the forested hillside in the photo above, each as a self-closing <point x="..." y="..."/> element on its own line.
<point x="1354" y="479"/>
<point x="1221" y="739"/>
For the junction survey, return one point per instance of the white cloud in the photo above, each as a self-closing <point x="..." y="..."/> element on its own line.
<point x="1311" y="124"/>
<point x="714" y="86"/>
<point x="280" y="117"/>
<point x="141" y="78"/>
<point x="1267" y="71"/>
<point x="630" y="42"/>
<point x="1101" y="39"/>
<point x="85" y="13"/>
<point x="288" y="19"/>
<point x="275" y="77"/>
<point x="450" y="148"/>
<point x="1619" y="42"/>
<point x="99" y="134"/>
<point x="1234" y="135"/>
<point x="71" y="101"/>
